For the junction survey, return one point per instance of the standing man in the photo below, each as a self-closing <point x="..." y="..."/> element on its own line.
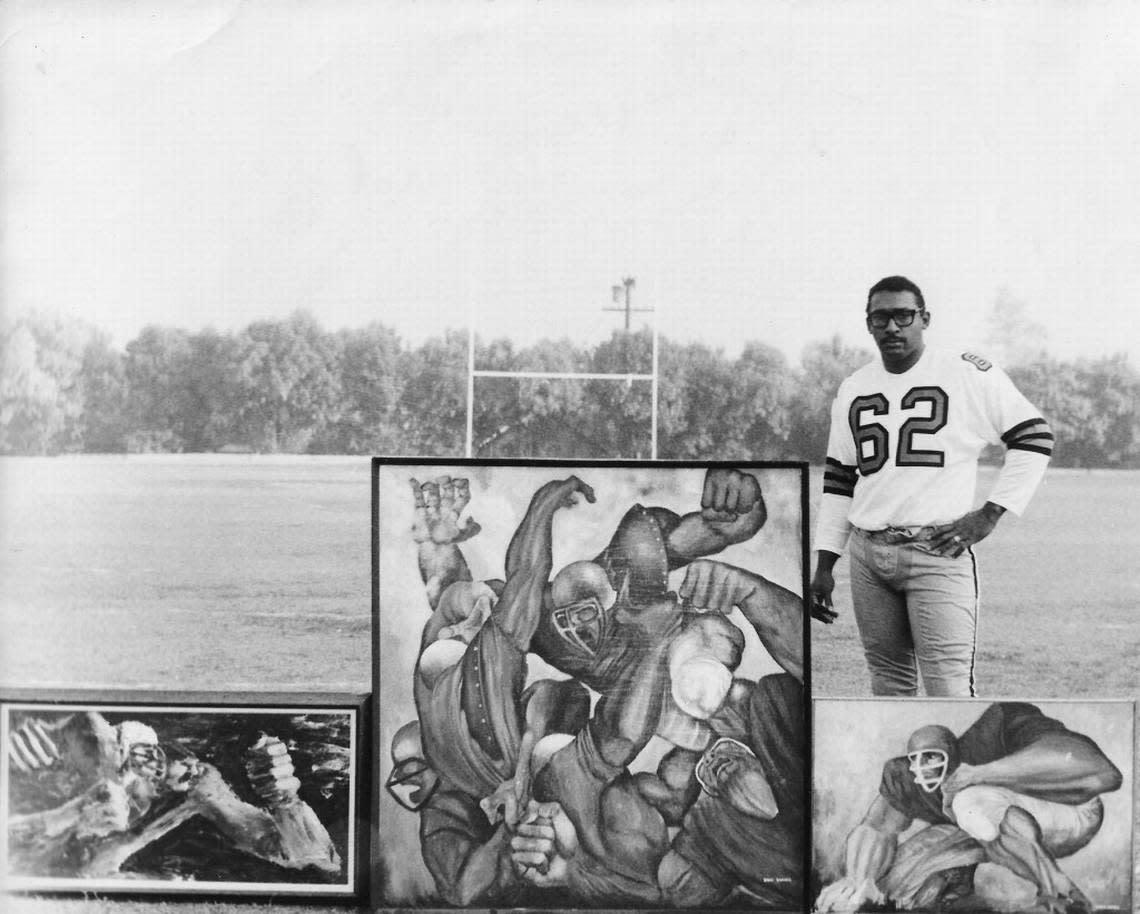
<point x="902" y="460"/>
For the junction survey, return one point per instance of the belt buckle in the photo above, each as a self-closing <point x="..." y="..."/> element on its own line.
<point x="899" y="533"/>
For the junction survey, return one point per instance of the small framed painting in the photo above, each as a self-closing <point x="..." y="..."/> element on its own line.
<point x="946" y="804"/>
<point x="176" y="793"/>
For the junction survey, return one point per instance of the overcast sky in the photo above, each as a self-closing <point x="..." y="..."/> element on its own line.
<point x="755" y="166"/>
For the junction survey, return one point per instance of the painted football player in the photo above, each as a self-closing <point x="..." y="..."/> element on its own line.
<point x="464" y="764"/>
<point x="1017" y="789"/>
<point x="600" y="615"/>
<point x="103" y="793"/>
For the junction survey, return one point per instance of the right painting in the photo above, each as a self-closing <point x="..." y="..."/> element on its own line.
<point x="972" y="806"/>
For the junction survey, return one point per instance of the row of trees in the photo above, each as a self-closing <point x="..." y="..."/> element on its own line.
<point x="289" y="386"/>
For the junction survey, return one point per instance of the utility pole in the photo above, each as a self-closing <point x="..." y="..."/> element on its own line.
<point x="622" y="296"/>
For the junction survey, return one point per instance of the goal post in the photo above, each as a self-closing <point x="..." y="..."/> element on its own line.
<point x="628" y="378"/>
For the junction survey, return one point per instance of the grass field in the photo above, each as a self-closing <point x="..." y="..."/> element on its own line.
<point x="186" y="573"/>
<point x="1059" y="595"/>
<point x="253" y="573"/>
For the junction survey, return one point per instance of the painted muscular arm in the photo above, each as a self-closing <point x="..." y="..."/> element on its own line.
<point x="870" y="852"/>
<point x="529" y="561"/>
<point x="732" y="511"/>
<point x="774" y="612"/>
<point x="1059" y="766"/>
<point x="289" y="836"/>
<point x="287" y="832"/>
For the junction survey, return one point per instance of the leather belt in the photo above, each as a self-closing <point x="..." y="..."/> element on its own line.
<point x="893" y="536"/>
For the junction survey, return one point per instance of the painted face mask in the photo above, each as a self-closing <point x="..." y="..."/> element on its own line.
<point x="933" y="754"/>
<point x="580" y="623"/>
<point x="582" y="594"/>
<point x="412" y="783"/>
<point x="929" y="768"/>
<point x="139" y="751"/>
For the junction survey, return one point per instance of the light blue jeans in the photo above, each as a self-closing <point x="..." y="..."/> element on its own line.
<point x="912" y="605"/>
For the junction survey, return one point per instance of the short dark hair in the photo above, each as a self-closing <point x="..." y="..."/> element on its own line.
<point x="897" y="284"/>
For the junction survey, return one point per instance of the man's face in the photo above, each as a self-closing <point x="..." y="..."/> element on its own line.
<point x="181" y="774"/>
<point x="899" y="346"/>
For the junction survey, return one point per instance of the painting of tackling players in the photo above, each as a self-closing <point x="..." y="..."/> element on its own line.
<point x="112" y="798"/>
<point x="972" y="806"/>
<point x="589" y="691"/>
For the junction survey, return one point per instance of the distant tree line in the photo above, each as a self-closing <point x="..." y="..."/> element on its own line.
<point x="289" y="386"/>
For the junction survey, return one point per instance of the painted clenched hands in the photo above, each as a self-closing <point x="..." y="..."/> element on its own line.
<point x="439" y="504"/>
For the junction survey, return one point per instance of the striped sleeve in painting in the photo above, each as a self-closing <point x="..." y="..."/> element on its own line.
<point x="838" y="479"/>
<point x="1031" y="435"/>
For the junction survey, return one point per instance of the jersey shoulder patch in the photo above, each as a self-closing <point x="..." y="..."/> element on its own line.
<point x="977" y="361"/>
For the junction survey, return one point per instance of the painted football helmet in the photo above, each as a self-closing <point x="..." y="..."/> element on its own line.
<point x="412" y="780"/>
<point x="581" y="593"/>
<point x="933" y="754"/>
<point x="139" y="751"/>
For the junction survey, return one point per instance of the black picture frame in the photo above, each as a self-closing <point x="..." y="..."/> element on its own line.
<point x="398" y="617"/>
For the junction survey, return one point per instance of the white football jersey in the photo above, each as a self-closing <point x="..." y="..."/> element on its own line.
<point x="903" y="448"/>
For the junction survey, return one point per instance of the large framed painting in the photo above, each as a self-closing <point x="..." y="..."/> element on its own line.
<point x="981" y="806"/>
<point x="202" y="794"/>
<point x="589" y="685"/>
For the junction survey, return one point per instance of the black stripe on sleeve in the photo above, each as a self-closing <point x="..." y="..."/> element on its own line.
<point x="1047" y="451"/>
<point x="1033" y="435"/>
<point x="1023" y="426"/>
<point x="839" y="479"/>
<point x="837" y="470"/>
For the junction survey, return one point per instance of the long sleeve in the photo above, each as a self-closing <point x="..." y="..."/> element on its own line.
<point x="839" y="479"/>
<point x="1020" y="475"/>
<point x="1028" y="441"/>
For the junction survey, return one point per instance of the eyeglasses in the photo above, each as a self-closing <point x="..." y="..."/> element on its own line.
<point x="903" y="317"/>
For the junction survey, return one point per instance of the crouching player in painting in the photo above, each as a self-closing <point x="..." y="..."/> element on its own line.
<point x="1017" y="788"/>
<point x="660" y="663"/>
<point x="101" y="793"/>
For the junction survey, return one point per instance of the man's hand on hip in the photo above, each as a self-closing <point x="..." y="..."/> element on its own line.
<point x="956" y="537"/>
